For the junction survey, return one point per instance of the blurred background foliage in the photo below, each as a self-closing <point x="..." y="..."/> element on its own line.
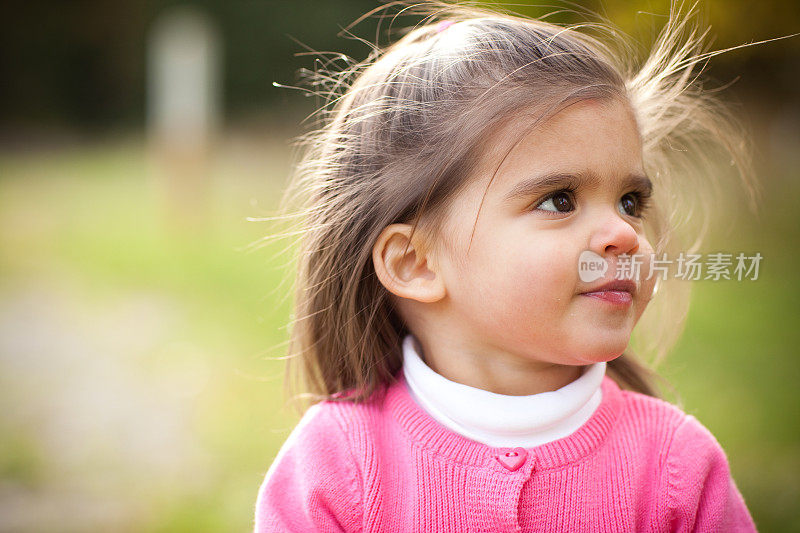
<point x="140" y="342"/>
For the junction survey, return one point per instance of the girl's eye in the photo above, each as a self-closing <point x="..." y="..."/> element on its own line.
<point x="633" y="204"/>
<point x="559" y="202"/>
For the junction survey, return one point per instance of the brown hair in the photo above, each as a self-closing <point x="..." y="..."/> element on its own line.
<point x="399" y="133"/>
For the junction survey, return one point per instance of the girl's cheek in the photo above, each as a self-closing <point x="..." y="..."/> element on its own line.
<point x="542" y="274"/>
<point x="646" y="285"/>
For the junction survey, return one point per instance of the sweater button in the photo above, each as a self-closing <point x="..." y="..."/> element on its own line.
<point x="513" y="459"/>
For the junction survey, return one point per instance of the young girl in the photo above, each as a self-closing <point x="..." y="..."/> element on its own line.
<point x="463" y="309"/>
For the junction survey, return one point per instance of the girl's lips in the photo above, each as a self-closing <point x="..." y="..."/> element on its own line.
<point x="612" y="297"/>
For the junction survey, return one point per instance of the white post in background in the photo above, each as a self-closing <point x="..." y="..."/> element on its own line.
<point x="183" y="76"/>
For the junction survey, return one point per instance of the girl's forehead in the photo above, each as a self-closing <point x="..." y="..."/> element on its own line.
<point x="590" y="135"/>
<point x="568" y="123"/>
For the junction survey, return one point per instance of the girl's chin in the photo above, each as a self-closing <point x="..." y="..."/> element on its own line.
<point x="605" y="354"/>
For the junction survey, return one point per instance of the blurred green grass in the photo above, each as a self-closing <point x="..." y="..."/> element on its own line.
<point x="88" y="225"/>
<point x="83" y="230"/>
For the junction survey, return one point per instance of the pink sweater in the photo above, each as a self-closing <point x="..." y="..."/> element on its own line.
<point x="638" y="464"/>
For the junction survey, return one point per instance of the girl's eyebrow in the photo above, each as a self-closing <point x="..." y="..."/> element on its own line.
<point x="538" y="184"/>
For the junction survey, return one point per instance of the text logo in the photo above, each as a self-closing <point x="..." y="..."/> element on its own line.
<point x="591" y="266"/>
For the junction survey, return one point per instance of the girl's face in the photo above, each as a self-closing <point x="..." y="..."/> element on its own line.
<point x="517" y="288"/>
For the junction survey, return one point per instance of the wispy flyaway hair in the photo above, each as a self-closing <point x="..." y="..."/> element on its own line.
<point x="398" y="137"/>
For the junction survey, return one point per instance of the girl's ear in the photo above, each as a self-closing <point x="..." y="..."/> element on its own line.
<point x="408" y="273"/>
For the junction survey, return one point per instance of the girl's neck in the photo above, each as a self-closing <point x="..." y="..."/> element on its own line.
<point x="499" y="374"/>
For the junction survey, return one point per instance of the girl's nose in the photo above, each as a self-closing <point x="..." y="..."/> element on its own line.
<point x="613" y="235"/>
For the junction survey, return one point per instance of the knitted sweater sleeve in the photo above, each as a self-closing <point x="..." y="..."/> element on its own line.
<point x="702" y="495"/>
<point x="312" y="483"/>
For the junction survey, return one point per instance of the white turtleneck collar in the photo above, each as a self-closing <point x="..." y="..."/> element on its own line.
<point x="497" y="419"/>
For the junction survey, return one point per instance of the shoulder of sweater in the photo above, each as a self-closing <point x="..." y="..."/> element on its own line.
<point x="652" y="417"/>
<point x="700" y="487"/>
<point x="353" y="417"/>
<point x="314" y="482"/>
<point x="325" y="425"/>
<point x="694" y="473"/>
<point x="693" y="439"/>
<point x="652" y="406"/>
<point x="319" y="425"/>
